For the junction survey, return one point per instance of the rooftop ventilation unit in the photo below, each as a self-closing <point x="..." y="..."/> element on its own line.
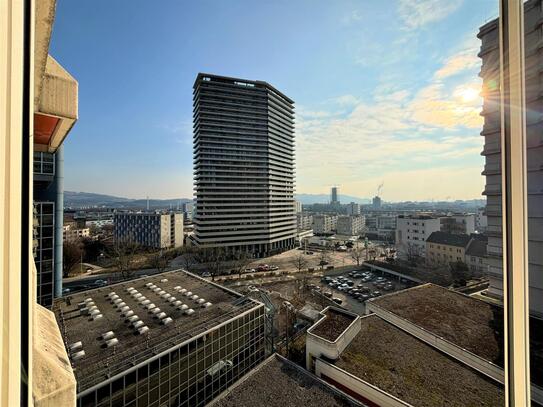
<point x="78" y="355"/>
<point x="156" y="289"/>
<point x="114" y="297"/>
<point x="183" y="307"/>
<point x="148" y="284"/>
<point x="188" y="293"/>
<point x="90" y="304"/>
<point x="143" y="329"/>
<point x="108" y="335"/>
<point x="201" y="301"/>
<point x="190" y="311"/>
<point x="128" y="313"/>
<point x="164" y="280"/>
<point x="92" y="308"/>
<point x="111" y="294"/>
<point x="166" y="321"/>
<point x="206" y="305"/>
<point x="75" y="346"/>
<point x="150" y="306"/>
<point x="182" y="291"/>
<point x="167" y="295"/>
<point x="138" y="295"/>
<point x="133" y="318"/>
<point x="94" y="312"/>
<point x="177" y="287"/>
<point x="177" y="303"/>
<point x="125" y="309"/>
<point x="88" y="299"/>
<point x="155" y="310"/>
<point x="141" y="299"/>
<point x="162" y="315"/>
<point x="130" y="289"/>
<point x="171" y="299"/>
<point x="145" y="302"/>
<point x="161" y="292"/>
<point x="121" y="304"/>
<point x="112" y="342"/>
<point x="194" y="297"/>
<point x="117" y="301"/>
<point x="137" y="324"/>
<point x="97" y="316"/>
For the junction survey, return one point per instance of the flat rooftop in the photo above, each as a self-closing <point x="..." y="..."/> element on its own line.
<point x="211" y="305"/>
<point x="333" y="324"/>
<point x="467" y="322"/>
<point x="409" y="369"/>
<point x="279" y="382"/>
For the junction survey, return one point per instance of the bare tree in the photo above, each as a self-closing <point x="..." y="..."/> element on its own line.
<point x="189" y="257"/>
<point x="324" y="257"/>
<point x="299" y="262"/>
<point x="413" y="252"/>
<point x="241" y="260"/>
<point x="123" y="254"/>
<point x="72" y="254"/>
<point x="159" y="261"/>
<point x="357" y="254"/>
<point x="214" y="258"/>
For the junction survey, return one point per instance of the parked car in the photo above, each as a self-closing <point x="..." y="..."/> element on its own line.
<point x="328" y="294"/>
<point x="376" y="293"/>
<point x="100" y="283"/>
<point x="206" y="274"/>
<point x="337" y="300"/>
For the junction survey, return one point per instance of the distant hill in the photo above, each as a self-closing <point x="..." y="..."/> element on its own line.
<point x="77" y="200"/>
<point x="308" y="199"/>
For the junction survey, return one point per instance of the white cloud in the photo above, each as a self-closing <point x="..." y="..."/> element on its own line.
<point x="417" y="13"/>
<point x="463" y="60"/>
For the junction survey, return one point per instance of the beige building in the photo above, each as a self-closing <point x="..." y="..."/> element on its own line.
<point x="350" y="225"/>
<point x="323" y="224"/>
<point x="72" y="232"/>
<point x="444" y="248"/>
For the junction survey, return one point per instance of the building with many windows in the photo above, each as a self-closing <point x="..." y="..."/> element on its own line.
<point x="444" y="248"/>
<point x="412" y="232"/>
<point x="460" y="223"/>
<point x="304" y="221"/>
<point x="353" y="209"/>
<point x="490" y="73"/>
<point x="170" y="339"/>
<point x="149" y="229"/>
<point x="243" y="166"/>
<point x="350" y="225"/>
<point x="324" y="224"/>
<point x="334" y="196"/>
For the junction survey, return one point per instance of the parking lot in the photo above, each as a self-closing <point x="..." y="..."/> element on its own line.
<point x="354" y="288"/>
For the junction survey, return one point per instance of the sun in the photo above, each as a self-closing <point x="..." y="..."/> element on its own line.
<point x="467" y="94"/>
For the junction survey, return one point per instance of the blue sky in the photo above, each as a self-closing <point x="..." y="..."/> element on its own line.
<point x="385" y="91"/>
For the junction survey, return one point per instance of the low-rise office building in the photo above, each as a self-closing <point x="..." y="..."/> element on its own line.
<point x="350" y="225"/>
<point x="412" y="232"/>
<point x="324" y="224"/>
<point x="422" y="326"/>
<point x="169" y="339"/>
<point x="445" y="248"/>
<point x="72" y="232"/>
<point x="150" y="229"/>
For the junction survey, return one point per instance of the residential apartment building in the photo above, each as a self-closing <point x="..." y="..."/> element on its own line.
<point x="444" y="248"/>
<point x="481" y="221"/>
<point x="350" y="225"/>
<point x="324" y="224"/>
<point x="353" y="209"/>
<point x="304" y="221"/>
<point x="298" y="207"/>
<point x="149" y="229"/>
<point x="71" y="232"/>
<point x="412" y="232"/>
<point x="458" y="223"/>
<point x="188" y="211"/>
<point x="476" y="256"/>
<point x="244" y="166"/>
<point x="490" y="69"/>
<point x="180" y="341"/>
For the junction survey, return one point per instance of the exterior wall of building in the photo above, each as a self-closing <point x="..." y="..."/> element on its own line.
<point x="244" y="166"/>
<point x="443" y="254"/>
<point x="489" y="53"/>
<point x="74" y="233"/>
<point x="481" y="221"/>
<point x="476" y="264"/>
<point x="324" y="223"/>
<point x="376" y="203"/>
<point x="458" y="224"/>
<point x="353" y="209"/>
<point x="298" y="207"/>
<point x="350" y="225"/>
<point x="304" y="221"/>
<point x="412" y="232"/>
<point x="157" y="230"/>
<point x="44" y="253"/>
<point x="191" y="374"/>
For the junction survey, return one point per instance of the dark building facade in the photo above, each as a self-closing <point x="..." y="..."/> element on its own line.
<point x="243" y="166"/>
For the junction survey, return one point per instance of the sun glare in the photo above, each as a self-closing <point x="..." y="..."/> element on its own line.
<point x="467" y="94"/>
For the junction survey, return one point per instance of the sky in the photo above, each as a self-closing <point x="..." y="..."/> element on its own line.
<point x="386" y="91"/>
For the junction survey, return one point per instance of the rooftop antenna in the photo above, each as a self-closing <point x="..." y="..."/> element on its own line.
<point x="147" y="202"/>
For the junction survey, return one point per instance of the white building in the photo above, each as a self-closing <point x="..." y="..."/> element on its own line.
<point x="298" y="206"/>
<point x="150" y="229"/>
<point x="304" y="221"/>
<point x="353" y="209"/>
<point x="463" y="223"/>
<point x="324" y="223"/>
<point x="480" y="220"/>
<point x="412" y="232"/>
<point x="350" y="225"/>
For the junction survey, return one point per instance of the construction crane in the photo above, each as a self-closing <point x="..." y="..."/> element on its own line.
<point x="379" y="188"/>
